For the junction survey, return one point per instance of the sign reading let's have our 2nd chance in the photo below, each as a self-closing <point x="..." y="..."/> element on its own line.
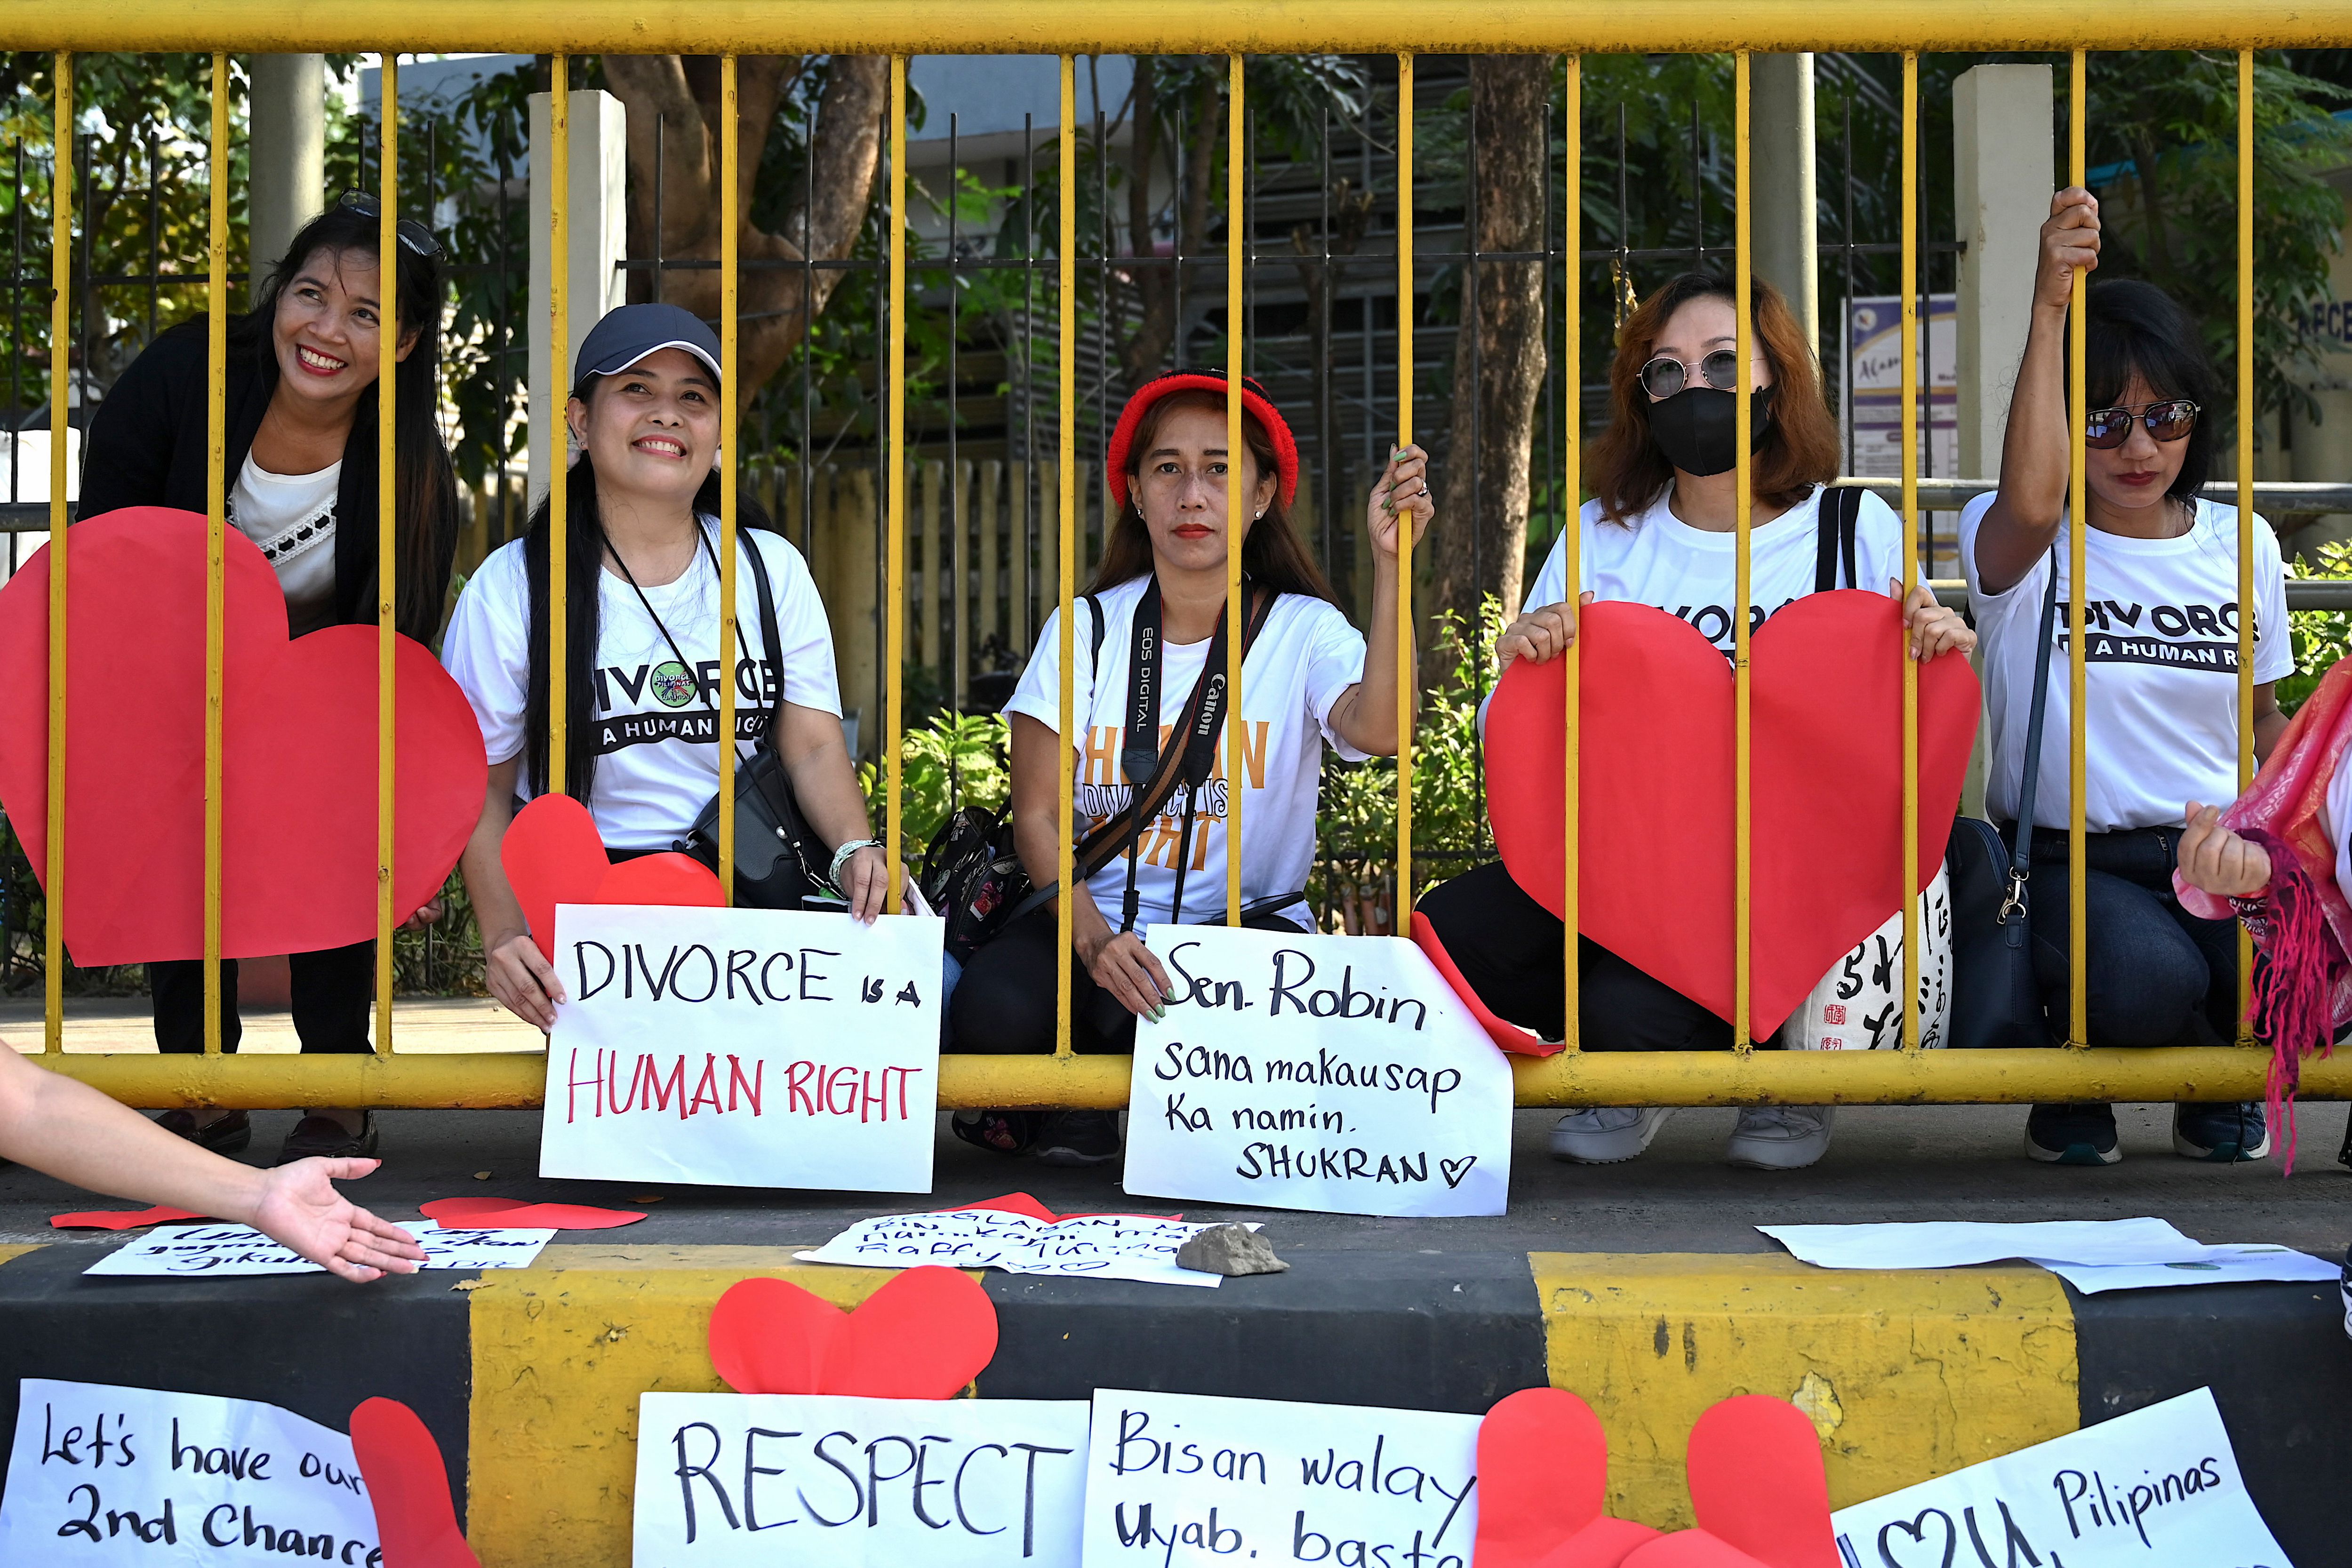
<point x="1299" y="1071"/>
<point x="746" y="1048"/>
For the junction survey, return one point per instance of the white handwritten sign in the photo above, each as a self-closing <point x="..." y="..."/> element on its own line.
<point x="109" y="1476"/>
<point x="1316" y="1072"/>
<point x="824" y="1481"/>
<point x="230" y="1251"/>
<point x="2156" y="1487"/>
<point x="744" y="1048"/>
<point x="1187" y="1478"/>
<point x="1106" y="1246"/>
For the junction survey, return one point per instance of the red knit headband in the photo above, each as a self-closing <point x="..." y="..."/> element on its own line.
<point x="1254" y="401"/>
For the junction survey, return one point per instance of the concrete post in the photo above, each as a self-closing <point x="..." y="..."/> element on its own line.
<point x="288" y="143"/>
<point x="1780" y="149"/>
<point x="597" y="214"/>
<point x="2004" y="161"/>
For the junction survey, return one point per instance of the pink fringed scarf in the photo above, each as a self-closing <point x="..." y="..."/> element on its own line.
<point x="2302" y="922"/>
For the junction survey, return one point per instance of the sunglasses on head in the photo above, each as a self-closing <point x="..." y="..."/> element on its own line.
<point x="1663" y="377"/>
<point x="2105" y="429"/>
<point x="414" y="236"/>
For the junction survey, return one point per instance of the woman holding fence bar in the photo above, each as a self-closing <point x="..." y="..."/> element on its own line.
<point x="1660" y="530"/>
<point x="642" y="622"/>
<point x="2161" y="652"/>
<point x="1153" y="617"/>
<point x="302" y="382"/>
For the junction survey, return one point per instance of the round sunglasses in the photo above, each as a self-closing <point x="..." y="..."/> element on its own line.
<point x="2105" y="429"/>
<point x="1663" y="377"/>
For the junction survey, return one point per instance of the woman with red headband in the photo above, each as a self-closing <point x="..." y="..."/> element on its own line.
<point x="1149" y="647"/>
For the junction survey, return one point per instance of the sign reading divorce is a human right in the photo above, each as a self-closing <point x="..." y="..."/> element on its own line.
<point x="1316" y="1072"/>
<point x="744" y="1048"/>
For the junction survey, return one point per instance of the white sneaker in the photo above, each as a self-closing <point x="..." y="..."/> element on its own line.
<point x="1607" y="1134"/>
<point x="1779" y="1137"/>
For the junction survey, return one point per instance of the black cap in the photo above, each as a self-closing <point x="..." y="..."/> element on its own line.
<point x="629" y="332"/>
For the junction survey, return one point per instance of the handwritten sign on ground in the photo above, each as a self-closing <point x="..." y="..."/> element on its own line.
<point x="112" y="1476"/>
<point x="2157" y="1486"/>
<point x="1188" y="1479"/>
<point x="229" y="1251"/>
<point x="827" y="1481"/>
<point x="744" y="1047"/>
<point x="1316" y="1072"/>
<point x="1105" y="1246"/>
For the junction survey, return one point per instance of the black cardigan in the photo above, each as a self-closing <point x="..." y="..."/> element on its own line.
<point x="147" y="446"/>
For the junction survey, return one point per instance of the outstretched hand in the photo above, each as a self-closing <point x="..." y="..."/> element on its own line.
<point x="299" y="1209"/>
<point x="2217" y="861"/>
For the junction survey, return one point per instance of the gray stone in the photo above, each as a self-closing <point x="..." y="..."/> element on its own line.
<point x="1229" y="1250"/>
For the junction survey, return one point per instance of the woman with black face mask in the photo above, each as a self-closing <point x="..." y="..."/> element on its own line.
<point x="1660" y="531"/>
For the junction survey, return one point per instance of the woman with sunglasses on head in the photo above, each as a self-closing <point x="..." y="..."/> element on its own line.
<point x="2161" y="656"/>
<point x="1155" y="615"/>
<point x="1660" y="530"/>
<point x="303" y="378"/>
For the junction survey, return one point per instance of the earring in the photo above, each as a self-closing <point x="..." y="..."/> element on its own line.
<point x="1258" y="516"/>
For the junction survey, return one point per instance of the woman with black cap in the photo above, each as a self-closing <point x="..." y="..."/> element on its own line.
<point x="642" y="619"/>
<point x="1154" y="616"/>
<point x="303" y="375"/>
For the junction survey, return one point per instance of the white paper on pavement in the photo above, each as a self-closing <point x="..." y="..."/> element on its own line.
<point x="744" y="1047"/>
<point x="1106" y="1247"/>
<point x="1187" y="1480"/>
<point x="1333" y="1073"/>
<point x="231" y="1251"/>
<point x="829" y="1482"/>
<point x="115" y="1477"/>
<point x="2156" y="1487"/>
<point x="2221" y="1265"/>
<point x="1951" y="1244"/>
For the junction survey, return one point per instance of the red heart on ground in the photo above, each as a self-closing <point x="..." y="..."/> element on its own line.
<point x="925" y="1334"/>
<point x="1757" y="1482"/>
<point x="515" y="1214"/>
<point x="1689" y="1549"/>
<point x="1656" y="789"/>
<point x="299" y="753"/>
<point x="409" y="1487"/>
<point x="1543" y="1487"/>
<point x="119" y="1219"/>
<point x="551" y="856"/>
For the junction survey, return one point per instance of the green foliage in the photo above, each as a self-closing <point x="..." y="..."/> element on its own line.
<point x="2321" y="637"/>
<point x="955" y="760"/>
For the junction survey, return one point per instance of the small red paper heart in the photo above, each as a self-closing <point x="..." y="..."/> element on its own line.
<point x="665" y="879"/>
<point x="552" y="855"/>
<point x="409" y="1487"/>
<point x="1500" y="1030"/>
<point x="926" y="1334"/>
<point x="120" y="1219"/>
<point x="514" y="1214"/>
<point x="1689" y="1549"/>
<point x="1543" y="1476"/>
<point x="1757" y="1482"/>
<point x="298" y="752"/>
<point x="1656" y="804"/>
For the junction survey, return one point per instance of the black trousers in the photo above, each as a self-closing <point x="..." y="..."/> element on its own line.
<point x="1003" y="1005"/>
<point x="335" y="995"/>
<point x="1508" y="948"/>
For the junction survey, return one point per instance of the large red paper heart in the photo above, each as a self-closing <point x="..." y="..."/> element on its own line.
<point x="409" y="1487"/>
<point x="1543" y="1484"/>
<point x="552" y="855"/>
<point x="299" y="753"/>
<point x="1757" y="1482"/>
<point x="926" y="1334"/>
<point x="1656" y="708"/>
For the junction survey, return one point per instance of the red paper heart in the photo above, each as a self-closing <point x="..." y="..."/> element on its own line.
<point x="663" y="879"/>
<point x="1757" y="1482"/>
<point x="119" y="1219"/>
<point x="514" y="1214"/>
<point x="409" y="1487"/>
<point x="551" y="856"/>
<point x="1543" y="1486"/>
<point x="299" y="753"/>
<point x="1500" y="1030"/>
<point x="1656" y="789"/>
<point x="1689" y="1549"/>
<point x="1604" y="1543"/>
<point x="926" y="1334"/>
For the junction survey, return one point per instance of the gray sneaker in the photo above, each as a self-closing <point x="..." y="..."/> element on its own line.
<point x="1779" y="1137"/>
<point x="1607" y="1134"/>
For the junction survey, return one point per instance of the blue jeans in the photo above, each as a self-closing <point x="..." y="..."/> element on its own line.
<point x="2157" y="975"/>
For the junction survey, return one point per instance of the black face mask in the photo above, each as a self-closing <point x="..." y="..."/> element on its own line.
<point x="1693" y="427"/>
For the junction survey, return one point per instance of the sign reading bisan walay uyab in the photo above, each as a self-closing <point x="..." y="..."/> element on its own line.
<point x="744" y="1047"/>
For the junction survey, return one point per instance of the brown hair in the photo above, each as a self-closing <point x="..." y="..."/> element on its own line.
<point x="1799" y="449"/>
<point x="1272" y="553"/>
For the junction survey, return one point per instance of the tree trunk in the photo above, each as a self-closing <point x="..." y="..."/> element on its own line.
<point x="1479" y="549"/>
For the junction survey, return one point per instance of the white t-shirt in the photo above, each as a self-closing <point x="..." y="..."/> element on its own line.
<point x="657" y="721"/>
<point x="292" y="518"/>
<point x="1655" y="558"/>
<point x="1303" y="661"/>
<point x="2161" y="669"/>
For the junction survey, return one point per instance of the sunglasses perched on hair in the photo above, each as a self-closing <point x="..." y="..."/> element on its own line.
<point x="2105" y="429"/>
<point x="417" y="239"/>
<point x="1663" y="377"/>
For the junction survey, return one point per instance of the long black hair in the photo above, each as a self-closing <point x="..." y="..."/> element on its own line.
<point x="424" y="490"/>
<point x="583" y="561"/>
<point x="2134" y="328"/>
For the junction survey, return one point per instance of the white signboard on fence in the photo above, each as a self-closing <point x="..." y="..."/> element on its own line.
<point x="1185" y="1480"/>
<point x="1100" y="1246"/>
<point x="235" y="1251"/>
<point x="744" y="1047"/>
<point x="822" y="1481"/>
<point x="120" y="1477"/>
<point x="2157" y="1486"/>
<point x="1337" y="1073"/>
